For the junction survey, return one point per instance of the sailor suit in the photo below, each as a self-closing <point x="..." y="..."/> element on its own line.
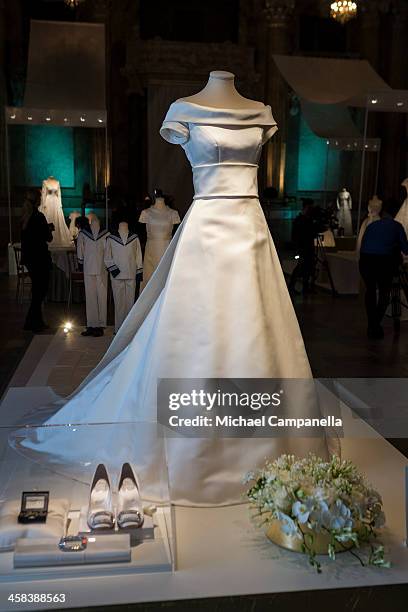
<point x="123" y="259"/>
<point x="90" y="253"/>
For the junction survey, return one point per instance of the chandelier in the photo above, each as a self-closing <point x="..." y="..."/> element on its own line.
<point x="343" y="10"/>
<point x="73" y="3"/>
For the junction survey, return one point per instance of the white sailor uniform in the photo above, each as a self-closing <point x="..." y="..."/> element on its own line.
<point x="90" y="253"/>
<point x="123" y="259"/>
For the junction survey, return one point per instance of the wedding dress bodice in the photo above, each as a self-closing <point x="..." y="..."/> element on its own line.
<point x="223" y="146"/>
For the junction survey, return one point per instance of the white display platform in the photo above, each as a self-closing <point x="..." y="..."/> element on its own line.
<point x="220" y="553"/>
<point x="344" y="270"/>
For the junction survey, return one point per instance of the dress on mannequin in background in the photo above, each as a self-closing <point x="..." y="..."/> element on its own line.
<point x="344" y="204"/>
<point x="73" y="229"/>
<point x="216" y="307"/>
<point x="159" y="227"/>
<point x="402" y="216"/>
<point x="123" y="259"/>
<point x="51" y="207"/>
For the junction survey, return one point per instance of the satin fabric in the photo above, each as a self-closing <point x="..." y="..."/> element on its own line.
<point x="217" y="306"/>
<point x="51" y="207"/>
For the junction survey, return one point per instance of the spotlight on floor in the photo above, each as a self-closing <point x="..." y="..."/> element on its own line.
<point x="67" y="327"/>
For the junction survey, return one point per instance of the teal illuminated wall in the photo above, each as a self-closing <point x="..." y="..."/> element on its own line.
<point x="306" y="160"/>
<point x="50" y="152"/>
<point x="312" y="162"/>
<point x="40" y="151"/>
<point x="37" y="152"/>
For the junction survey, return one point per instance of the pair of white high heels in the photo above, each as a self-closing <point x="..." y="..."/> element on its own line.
<point x="129" y="509"/>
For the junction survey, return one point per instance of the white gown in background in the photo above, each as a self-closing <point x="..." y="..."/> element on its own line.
<point x="344" y="212"/>
<point x="159" y="227"/>
<point x="217" y="306"/>
<point x="51" y="207"/>
<point x="402" y="215"/>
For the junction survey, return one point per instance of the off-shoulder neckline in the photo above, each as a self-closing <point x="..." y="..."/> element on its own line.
<point x="220" y="109"/>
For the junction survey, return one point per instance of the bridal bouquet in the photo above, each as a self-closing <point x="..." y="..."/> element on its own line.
<point x="317" y="507"/>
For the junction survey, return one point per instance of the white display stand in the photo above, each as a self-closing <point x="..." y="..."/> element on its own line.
<point x="218" y="550"/>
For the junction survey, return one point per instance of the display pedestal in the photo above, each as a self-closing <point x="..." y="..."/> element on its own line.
<point x="219" y="551"/>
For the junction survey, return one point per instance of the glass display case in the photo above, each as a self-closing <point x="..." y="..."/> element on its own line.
<point x="79" y="513"/>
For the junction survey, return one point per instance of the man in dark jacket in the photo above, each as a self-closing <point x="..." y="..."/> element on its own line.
<point x="380" y="256"/>
<point x="36" y="233"/>
<point x="303" y="236"/>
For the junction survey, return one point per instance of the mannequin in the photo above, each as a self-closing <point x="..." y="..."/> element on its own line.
<point x="51" y="207"/>
<point x="73" y="229"/>
<point x="220" y="92"/>
<point x="402" y="214"/>
<point x="123" y="259"/>
<point x="90" y="253"/>
<point x="159" y="219"/>
<point x="374" y="214"/>
<point x="344" y="205"/>
<point x="217" y="307"/>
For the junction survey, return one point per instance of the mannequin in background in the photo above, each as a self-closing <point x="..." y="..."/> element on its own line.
<point x="344" y="205"/>
<point x="402" y="214"/>
<point x="36" y="233"/>
<point x="51" y="207"/>
<point x="159" y="220"/>
<point x="374" y="214"/>
<point x="90" y="252"/>
<point x="123" y="259"/>
<point x="73" y="229"/>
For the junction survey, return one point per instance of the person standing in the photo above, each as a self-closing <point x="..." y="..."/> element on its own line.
<point x="380" y="256"/>
<point x="36" y="233"/>
<point x="303" y="236"/>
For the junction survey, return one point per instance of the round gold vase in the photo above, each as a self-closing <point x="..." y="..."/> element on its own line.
<point x="319" y="545"/>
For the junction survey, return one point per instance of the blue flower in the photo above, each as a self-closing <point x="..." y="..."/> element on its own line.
<point x="288" y="525"/>
<point x="301" y="510"/>
<point x="338" y="517"/>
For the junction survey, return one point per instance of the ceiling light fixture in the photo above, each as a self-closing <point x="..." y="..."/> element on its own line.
<point x="343" y="10"/>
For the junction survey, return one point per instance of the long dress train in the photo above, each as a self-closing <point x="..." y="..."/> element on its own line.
<point x="217" y="306"/>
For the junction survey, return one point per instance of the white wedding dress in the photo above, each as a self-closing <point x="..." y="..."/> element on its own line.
<point x="159" y="227"/>
<point x="217" y="306"/>
<point x="51" y="207"/>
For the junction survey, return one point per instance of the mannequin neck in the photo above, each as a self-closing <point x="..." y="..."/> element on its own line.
<point x="159" y="203"/>
<point x="220" y="92"/>
<point x="95" y="227"/>
<point x="123" y="230"/>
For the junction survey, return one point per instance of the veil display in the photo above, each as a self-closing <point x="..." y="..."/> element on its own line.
<point x="51" y="207"/>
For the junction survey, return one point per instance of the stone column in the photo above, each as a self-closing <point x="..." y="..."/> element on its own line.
<point x="278" y="21"/>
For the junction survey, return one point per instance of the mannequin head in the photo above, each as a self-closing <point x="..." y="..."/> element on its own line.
<point x="123" y="227"/>
<point x="158" y="193"/>
<point x="91" y="216"/>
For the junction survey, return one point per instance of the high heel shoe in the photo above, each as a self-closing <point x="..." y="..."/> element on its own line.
<point x="100" y="511"/>
<point x="130" y="509"/>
